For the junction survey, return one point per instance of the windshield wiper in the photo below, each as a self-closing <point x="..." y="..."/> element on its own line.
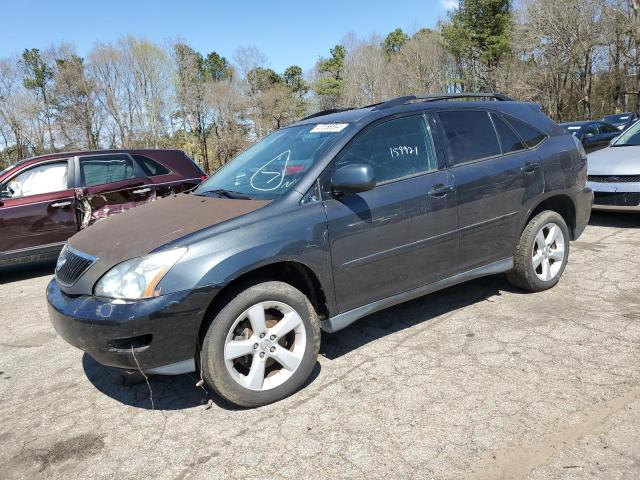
<point x="220" y="192"/>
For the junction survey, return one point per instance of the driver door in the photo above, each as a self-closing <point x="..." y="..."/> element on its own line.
<point x="403" y="233"/>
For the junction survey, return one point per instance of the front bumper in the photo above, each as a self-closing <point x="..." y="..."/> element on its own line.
<point x="161" y="332"/>
<point x="618" y="197"/>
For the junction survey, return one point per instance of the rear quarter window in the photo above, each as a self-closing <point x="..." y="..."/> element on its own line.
<point x="531" y="136"/>
<point x="508" y="138"/>
<point x="150" y="167"/>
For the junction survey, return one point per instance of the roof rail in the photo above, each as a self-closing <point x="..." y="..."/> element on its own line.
<point x="439" y="96"/>
<point x="325" y="112"/>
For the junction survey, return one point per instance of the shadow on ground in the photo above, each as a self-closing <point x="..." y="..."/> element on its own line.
<point x="615" y="219"/>
<point x="170" y="392"/>
<point x="410" y="314"/>
<point x="180" y="392"/>
<point x="16" y="273"/>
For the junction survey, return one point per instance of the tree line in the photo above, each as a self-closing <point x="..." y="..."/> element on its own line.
<point x="579" y="59"/>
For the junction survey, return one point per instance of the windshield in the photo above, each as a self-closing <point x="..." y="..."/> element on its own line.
<point x="630" y="137"/>
<point x="271" y="167"/>
<point x="617" y="119"/>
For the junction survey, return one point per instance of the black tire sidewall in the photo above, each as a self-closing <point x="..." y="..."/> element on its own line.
<point x="213" y="367"/>
<point x="536" y="224"/>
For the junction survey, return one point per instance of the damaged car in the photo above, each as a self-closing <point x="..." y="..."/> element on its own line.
<point x="45" y="200"/>
<point x="317" y="225"/>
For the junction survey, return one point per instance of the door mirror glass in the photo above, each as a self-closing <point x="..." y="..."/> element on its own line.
<point x="353" y="178"/>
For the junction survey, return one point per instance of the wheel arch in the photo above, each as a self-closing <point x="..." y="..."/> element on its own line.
<point x="560" y="203"/>
<point x="291" y="272"/>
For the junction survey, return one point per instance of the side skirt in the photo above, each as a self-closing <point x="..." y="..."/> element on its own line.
<point x="31" y="254"/>
<point x="342" y="320"/>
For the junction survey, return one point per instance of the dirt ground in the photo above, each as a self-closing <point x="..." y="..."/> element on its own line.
<point x="477" y="381"/>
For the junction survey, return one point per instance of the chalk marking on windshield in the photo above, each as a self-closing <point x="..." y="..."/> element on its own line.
<point x="262" y="171"/>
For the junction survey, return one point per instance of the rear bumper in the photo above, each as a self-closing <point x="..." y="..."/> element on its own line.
<point x="161" y="332"/>
<point x="582" y="201"/>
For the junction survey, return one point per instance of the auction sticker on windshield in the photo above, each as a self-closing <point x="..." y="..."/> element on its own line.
<point x="329" y="128"/>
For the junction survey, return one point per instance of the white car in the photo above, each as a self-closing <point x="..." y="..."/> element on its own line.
<point x="614" y="173"/>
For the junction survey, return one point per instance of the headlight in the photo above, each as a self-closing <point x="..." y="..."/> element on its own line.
<point x="139" y="277"/>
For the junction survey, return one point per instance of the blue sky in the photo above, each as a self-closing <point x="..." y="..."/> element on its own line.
<point x="286" y="31"/>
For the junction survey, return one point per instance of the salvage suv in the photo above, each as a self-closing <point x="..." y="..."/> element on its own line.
<point x="45" y="200"/>
<point x="339" y="215"/>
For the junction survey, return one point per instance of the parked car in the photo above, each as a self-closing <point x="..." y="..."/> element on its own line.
<point x="621" y="121"/>
<point x="594" y="135"/>
<point x="614" y="173"/>
<point x="45" y="200"/>
<point x="386" y="203"/>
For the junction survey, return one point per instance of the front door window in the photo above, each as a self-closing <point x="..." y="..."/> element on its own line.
<point x="47" y="178"/>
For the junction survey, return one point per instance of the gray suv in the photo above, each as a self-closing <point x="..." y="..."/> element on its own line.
<point x="319" y="224"/>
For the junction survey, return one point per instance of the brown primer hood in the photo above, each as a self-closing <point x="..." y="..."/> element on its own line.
<point x="141" y="230"/>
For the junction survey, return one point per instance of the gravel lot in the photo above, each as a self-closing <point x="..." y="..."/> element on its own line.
<point x="477" y="381"/>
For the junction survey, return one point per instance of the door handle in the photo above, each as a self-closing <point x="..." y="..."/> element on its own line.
<point x="141" y="191"/>
<point x="530" y="167"/>
<point x="64" y="204"/>
<point x="440" y="190"/>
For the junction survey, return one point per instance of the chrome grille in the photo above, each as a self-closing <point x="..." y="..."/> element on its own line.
<point x="614" y="178"/>
<point x="71" y="265"/>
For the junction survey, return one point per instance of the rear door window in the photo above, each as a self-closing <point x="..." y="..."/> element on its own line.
<point x="101" y="169"/>
<point x="395" y="149"/>
<point x="531" y="136"/>
<point x="150" y="167"/>
<point x="469" y="135"/>
<point x="45" y="178"/>
<point x="508" y="139"/>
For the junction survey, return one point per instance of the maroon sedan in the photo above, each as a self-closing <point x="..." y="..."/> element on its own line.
<point x="45" y="200"/>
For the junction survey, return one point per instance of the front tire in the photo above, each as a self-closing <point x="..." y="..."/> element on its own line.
<point x="541" y="253"/>
<point x="262" y="346"/>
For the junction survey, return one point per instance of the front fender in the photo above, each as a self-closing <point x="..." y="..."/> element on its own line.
<point x="299" y="236"/>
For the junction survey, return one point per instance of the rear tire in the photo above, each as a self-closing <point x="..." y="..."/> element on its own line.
<point x="541" y="253"/>
<point x="262" y="346"/>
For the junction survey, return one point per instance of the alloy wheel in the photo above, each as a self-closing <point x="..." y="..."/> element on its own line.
<point x="548" y="252"/>
<point x="265" y="345"/>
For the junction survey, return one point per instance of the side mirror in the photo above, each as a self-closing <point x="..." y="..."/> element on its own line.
<point x="587" y="135"/>
<point x="5" y="192"/>
<point x="353" y="179"/>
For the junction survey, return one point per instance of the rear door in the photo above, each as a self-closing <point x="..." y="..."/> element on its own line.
<point x="402" y="234"/>
<point x="37" y="207"/>
<point x="110" y="183"/>
<point x="492" y="180"/>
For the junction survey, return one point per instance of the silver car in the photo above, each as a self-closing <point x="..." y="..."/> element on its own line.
<point x="614" y="173"/>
